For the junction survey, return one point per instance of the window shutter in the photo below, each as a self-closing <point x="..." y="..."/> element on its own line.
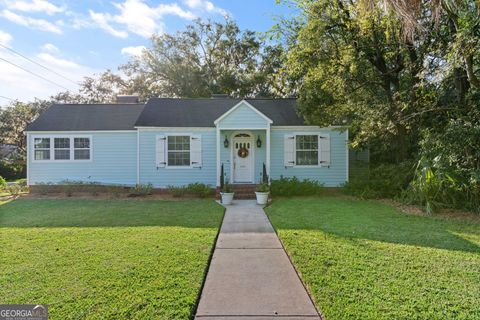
<point x="161" y="151"/>
<point x="196" y="151"/>
<point x="289" y="150"/>
<point x="324" y="154"/>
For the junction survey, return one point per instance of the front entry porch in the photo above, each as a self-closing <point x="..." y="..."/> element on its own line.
<point x="243" y="155"/>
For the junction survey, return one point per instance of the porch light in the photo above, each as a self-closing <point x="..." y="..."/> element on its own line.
<point x="259" y="142"/>
<point x="225" y="142"/>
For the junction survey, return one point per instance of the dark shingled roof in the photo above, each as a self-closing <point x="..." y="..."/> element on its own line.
<point x="158" y="112"/>
<point x="87" y="117"/>
<point x="167" y="112"/>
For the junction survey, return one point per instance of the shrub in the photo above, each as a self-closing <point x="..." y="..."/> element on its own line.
<point x="381" y="181"/>
<point x="12" y="170"/>
<point x="227" y="188"/>
<point x="176" y="192"/>
<point x="263" y="187"/>
<point x="436" y="186"/>
<point x="14" y="189"/>
<point x="295" y="187"/>
<point x="141" y="190"/>
<point x="3" y="183"/>
<point x="22" y="182"/>
<point x="199" y="189"/>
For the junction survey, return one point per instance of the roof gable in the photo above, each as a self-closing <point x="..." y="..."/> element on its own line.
<point x="241" y="114"/>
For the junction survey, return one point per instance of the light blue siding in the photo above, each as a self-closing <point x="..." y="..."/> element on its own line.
<point x="163" y="177"/>
<point x="332" y="176"/>
<point x="259" y="153"/>
<point x="243" y="117"/>
<point x="114" y="161"/>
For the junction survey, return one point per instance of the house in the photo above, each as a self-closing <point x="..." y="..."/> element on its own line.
<point x="180" y="141"/>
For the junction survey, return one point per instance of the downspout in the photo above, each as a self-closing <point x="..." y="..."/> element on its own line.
<point x="138" y="156"/>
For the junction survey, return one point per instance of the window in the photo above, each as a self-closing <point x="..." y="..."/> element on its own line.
<point x="306" y="150"/>
<point x="62" y="148"/>
<point x="81" y="148"/>
<point x="41" y="148"/>
<point x="178" y="151"/>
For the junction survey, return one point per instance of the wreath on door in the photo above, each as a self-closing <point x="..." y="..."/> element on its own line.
<point x="243" y="152"/>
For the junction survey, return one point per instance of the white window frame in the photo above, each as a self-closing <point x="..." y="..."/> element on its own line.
<point x="49" y="149"/>
<point x="52" y="147"/>
<point x="318" y="165"/>
<point x="168" y="166"/>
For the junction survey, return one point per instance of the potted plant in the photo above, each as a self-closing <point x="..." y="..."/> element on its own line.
<point x="227" y="193"/>
<point x="262" y="192"/>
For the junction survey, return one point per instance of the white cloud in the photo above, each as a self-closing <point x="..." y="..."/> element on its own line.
<point x="133" y="51"/>
<point x="205" y="5"/>
<point x="50" y="48"/>
<point x="35" y="6"/>
<point x="138" y="17"/>
<point x="101" y="19"/>
<point x="39" y="24"/>
<point x="59" y="62"/>
<point x="18" y="84"/>
<point x="5" y="38"/>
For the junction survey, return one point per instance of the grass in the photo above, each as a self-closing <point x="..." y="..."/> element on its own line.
<point x="366" y="260"/>
<point x="106" y="259"/>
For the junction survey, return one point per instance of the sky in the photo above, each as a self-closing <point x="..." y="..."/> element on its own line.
<point x="68" y="40"/>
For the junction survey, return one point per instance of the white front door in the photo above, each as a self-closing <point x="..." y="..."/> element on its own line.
<point x="242" y="149"/>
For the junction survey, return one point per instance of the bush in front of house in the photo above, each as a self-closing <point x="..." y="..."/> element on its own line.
<point x="200" y="190"/>
<point x="176" y="192"/>
<point x="381" y="181"/>
<point x="288" y="187"/>
<point x="197" y="189"/>
<point x="141" y="190"/>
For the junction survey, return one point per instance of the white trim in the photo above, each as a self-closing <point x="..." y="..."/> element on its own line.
<point x="347" y="156"/>
<point x="168" y="129"/>
<point x="52" y="148"/>
<point x="138" y="157"/>
<point x="218" y="155"/>
<point x="244" y="128"/>
<point x="306" y="128"/>
<point x="80" y="132"/>
<point x="252" y="161"/>
<point x="189" y="135"/>
<point x="237" y="106"/>
<point x="267" y="164"/>
<point x="28" y="158"/>
<point x="297" y="127"/>
<point x="309" y="133"/>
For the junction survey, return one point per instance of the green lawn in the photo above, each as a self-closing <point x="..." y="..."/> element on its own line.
<point x="366" y="260"/>
<point x="106" y="259"/>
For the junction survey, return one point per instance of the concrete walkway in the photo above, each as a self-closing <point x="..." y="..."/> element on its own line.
<point x="250" y="275"/>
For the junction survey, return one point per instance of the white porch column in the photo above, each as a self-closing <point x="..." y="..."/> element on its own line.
<point x="218" y="156"/>
<point x="268" y="151"/>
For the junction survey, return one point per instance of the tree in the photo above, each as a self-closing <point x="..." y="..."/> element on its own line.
<point x="354" y="64"/>
<point x="14" y="119"/>
<point x="208" y="57"/>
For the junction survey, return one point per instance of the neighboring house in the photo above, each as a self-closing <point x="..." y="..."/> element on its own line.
<point x="180" y="141"/>
<point x="9" y="151"/>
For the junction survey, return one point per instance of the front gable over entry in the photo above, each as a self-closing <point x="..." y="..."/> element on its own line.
<point x="243" y="115"/>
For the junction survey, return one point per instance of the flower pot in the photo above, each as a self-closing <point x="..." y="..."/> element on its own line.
<point x="227" y="197"/>
<point x="262" y="197"/>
